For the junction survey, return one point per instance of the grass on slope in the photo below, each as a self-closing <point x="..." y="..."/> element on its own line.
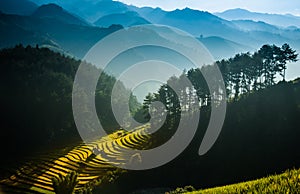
<point x="287" y="182"/>
<point x="92" y="170"/>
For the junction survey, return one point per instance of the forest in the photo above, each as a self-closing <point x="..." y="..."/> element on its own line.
<point x="259" y="136"/>
<point x="260" y="133"/>
<point x="37" y="101"/>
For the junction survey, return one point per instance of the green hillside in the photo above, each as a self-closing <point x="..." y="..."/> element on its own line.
<point x="287" y="182"/>
<point x="92" y="170"/>
<point x="259" y="136"/>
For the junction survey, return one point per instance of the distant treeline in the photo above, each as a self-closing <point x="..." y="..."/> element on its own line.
<point x="241" y="74"/>
<point x="245" y="72"/>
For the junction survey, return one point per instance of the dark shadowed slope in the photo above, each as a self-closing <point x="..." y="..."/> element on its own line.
<point x="75" y="40"/>
<point x="55" y="12"/>
<point x="22" y="7"/>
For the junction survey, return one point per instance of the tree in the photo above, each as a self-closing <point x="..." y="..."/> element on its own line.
<point x="286" y="54"/>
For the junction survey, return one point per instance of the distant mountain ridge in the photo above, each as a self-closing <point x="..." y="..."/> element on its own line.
<point x="53" y="11"/>
<point x="126" y="19"/>
<point x="71" y="39"/>
<point x="20" y="7"/>
<point x="253" y="34"/>
<point x="274" y="19"/>
<point x="223" y="37"/>
<point x="90" y="10"/>
<point x="221" y="48"/>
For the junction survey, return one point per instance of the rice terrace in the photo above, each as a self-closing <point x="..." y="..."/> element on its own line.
<point x="91" y="170"/>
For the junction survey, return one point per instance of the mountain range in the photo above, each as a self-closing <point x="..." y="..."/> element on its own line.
<point x="63" y="25"/>
<point x="280" y="20"/>
<point x="53" y="27"/>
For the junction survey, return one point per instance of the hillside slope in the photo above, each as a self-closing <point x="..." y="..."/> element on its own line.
<point x="22" y="7"/>
<point x="126" y="19"/>
<point x="55" y="12"/>
<point x="287" y="182"/>
<point x="260" y="136"/>
<point x="60" y="33"/>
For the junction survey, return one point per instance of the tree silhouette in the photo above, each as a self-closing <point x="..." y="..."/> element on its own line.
<point x="287" y="54"/>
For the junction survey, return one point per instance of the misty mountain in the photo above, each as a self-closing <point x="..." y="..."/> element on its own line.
<point x="53" y="11"/>
<point x="125" y="19"/>
<point x="149" y="13"/>
<point x="20" y="7"/>
<point x="250" y="25"/>
<point x="72" y="39"/>
<point x="53" y="24"/>
<point x="193" y="21"/>
<point x="199" y="23"/>
<point x="243" y="32"/>
<point x="262" y="29"/>
<point x="274" y="19"/>
<point x="222" y="48"/>
<point x="90" y="10"/>
<point x="188" y="19"/>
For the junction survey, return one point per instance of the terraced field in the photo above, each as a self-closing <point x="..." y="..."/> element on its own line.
<point x="36" y="176"/>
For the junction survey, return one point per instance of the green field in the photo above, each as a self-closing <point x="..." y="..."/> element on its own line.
<point x="287" y="182"/>
<point x="93" y="170"/>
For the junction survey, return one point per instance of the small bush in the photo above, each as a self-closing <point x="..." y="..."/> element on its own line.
<point x="65" y="184"/>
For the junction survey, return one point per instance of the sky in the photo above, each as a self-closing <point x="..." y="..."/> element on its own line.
<point x="265" y="6"/>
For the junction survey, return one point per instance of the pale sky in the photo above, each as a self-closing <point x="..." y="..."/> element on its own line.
<point x="265" y="6"/>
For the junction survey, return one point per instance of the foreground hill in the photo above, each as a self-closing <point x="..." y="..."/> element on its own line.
<point x="287" y="182"/>
<point x="260" y="136"/>
<point x="35" y="176"/>
<point x="36" y="86"/>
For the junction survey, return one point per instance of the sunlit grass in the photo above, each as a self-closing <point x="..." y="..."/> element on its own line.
<point x="287" y="182"/>
<point x="92" y="169"/>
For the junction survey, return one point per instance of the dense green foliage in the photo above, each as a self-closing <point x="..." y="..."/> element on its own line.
<point x="259" y="136"/>
<point x="36" y="100"/>
<point x="241" y="74"/>
<point x="245" y="72"/>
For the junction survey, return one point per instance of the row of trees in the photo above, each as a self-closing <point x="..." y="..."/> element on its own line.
<point x="260" y="129"/>
<point x="245" y="72"/>
<point x="241" y="74"/>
